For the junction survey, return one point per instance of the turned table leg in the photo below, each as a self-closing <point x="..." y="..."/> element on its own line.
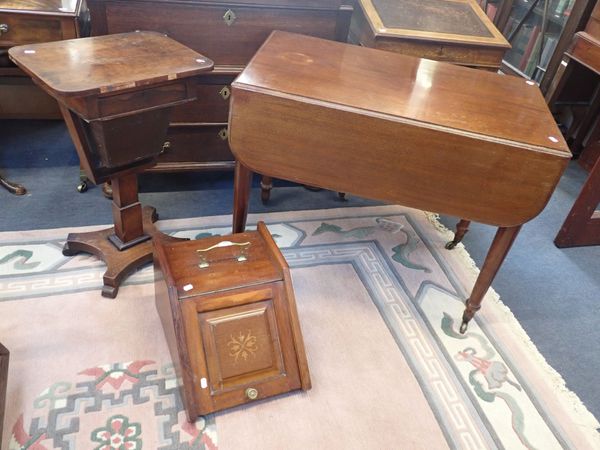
<point x="266" y="184"/>
<point x="462" y="228"/>
<point x="241" y="196"/>
<point x="499" y="249"/>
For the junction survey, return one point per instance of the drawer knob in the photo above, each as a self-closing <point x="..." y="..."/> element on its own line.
<point x="229" y="17"/>
<point x="225" y="92"/>
<point x="224" y="134"/>
<point x="166" y="146"/>
<point x="3" y="28"/>
<point x="251" y="393"/>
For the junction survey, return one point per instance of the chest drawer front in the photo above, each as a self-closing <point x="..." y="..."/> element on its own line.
<point x="27" y="30"/>
<point x="322" y="4"/>
<point x="197" y="144"/>
<point x="212" y="105"/>
<point x="204" y="28"/>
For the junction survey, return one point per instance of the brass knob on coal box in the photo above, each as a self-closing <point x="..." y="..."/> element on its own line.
<point x="251" y="393"/>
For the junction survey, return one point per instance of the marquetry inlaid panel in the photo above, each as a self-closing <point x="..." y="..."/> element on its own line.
<point x="241" y="342"/>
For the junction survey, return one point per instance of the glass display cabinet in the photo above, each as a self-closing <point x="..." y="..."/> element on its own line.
<point x="539" y="32"/>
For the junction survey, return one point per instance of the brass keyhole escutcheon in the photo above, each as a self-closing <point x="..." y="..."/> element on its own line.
<point x="166" y="146"/>
<point x="229" y="17"/>
<point x="251" y="393"/>
<point x="225" y="92"/>
<point x="223" y="134"/>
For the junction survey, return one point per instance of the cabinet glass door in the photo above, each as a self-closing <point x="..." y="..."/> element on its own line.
<point x="534" y="28"/>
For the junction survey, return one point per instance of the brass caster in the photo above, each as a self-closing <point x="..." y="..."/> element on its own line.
<point x="107" y="191"/>
<point x="265" y="196"/>
<point x="463" y="327"/>
<point x="82" y="187"/>
<point x="450" y="245"/>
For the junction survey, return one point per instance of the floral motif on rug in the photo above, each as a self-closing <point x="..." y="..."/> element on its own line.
<point x="125" y="406"/>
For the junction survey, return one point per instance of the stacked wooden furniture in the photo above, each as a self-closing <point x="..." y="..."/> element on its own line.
<point x="229" y="315"/>
<point x="582" y="225"/>
<point x="115" y="94"/>
<point x="404" y="142"/>
<point x="27" y="22"/>
<point x="228" y="32"/>
<point x="453" y="31"/>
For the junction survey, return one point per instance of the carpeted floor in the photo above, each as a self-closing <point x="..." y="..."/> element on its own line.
<point x="552" y="292"/>
<point x="379" y="300"/>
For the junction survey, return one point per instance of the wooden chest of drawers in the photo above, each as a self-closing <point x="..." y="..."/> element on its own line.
<point x="229" y="33"/>
<point x="29" y="22"/>
<point x="230" y="319"/>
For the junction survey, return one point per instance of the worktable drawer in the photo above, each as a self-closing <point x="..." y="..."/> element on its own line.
<point x="229" y="35"/>
<point x="28" y="29"/>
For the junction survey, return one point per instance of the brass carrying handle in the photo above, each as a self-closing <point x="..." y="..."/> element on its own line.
<point x="3" y="28"/>
<point x="243" y="256"/>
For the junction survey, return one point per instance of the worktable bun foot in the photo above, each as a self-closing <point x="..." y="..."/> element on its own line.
<point x="109" y="291"/>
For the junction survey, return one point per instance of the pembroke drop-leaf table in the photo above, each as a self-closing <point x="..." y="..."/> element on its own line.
<point x="115" y="93"/>
<point x="391" y="127"/>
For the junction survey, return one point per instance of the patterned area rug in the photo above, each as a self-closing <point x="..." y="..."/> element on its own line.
<point x="379" y="300"/>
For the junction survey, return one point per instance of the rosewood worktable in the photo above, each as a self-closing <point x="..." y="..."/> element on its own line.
<point x="116" y="93"/>
<point x="396" y="128"/>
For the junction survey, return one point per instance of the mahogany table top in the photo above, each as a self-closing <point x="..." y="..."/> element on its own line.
<point x="403" y="88"/>
<point x="382" y="125"/>
<point x="98" y="65"/>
